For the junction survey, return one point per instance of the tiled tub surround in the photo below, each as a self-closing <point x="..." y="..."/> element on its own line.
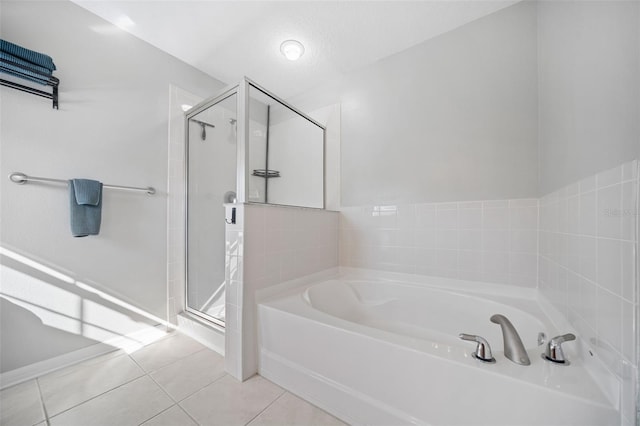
<point x="268" y="245"/>
<point x="492" y="241"/>
<point x="588" y="255"/>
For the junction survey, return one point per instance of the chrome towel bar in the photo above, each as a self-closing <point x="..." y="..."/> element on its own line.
<point x="21" y="178"/>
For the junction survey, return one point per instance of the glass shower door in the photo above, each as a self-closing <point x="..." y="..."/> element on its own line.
<point x="211" y="182"/>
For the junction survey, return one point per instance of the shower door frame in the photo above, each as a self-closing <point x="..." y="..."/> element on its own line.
<point x="236" y="90"/>
<point x="241" y="90"/>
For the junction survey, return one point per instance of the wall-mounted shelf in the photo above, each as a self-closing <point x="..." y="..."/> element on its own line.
<point x="31" y="74"/>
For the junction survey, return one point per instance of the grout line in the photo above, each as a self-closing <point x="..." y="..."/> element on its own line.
<point x="267" y="407"/>
<point x="97" y="396"/>
<point x="44" y="408"/>
<point x="107" y="391"/>
<point x="190" y="395"/>
<point x="200" y="388"/>
<point x="156" y="415"/>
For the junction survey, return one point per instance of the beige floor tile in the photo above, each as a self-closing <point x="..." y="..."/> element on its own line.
<point x="229" y="402"/>
<point x="130" y="404"/>
<point x="190" y="374"/>
<point x="174" y="416"/>
<point x="20" y="405"/>
<point x="73" y="385"/>
<point x="289" y="410"/>
<point x="166" y="351"/>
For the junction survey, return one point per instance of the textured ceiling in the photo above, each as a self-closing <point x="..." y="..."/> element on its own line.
<point x="231" y="39"/>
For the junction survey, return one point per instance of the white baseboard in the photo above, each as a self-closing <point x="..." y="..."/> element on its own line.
<point x="37" y="369"/>
<point x="209" y="335"/>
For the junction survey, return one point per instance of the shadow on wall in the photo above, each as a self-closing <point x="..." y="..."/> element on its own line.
<point x="47" y="313"/>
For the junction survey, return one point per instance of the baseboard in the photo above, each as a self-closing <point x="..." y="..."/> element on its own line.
<point x="208" y="334"/>
<point x="37" y="369"/>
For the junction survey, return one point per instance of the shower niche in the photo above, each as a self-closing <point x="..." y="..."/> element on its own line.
<point x="244" y="145"/>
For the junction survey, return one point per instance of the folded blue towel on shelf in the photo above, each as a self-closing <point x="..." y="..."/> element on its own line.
<point x="31" y="56"/>
<point x="85" y="198"/>
<point x="15" y="66"/>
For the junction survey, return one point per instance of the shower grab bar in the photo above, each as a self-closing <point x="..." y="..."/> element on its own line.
<point x="21" y="178"/>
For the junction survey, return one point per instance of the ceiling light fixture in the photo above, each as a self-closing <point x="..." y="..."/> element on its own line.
<point x="292" y="49"/>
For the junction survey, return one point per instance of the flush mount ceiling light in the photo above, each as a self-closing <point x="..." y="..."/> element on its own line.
<point x="292" y="49"/>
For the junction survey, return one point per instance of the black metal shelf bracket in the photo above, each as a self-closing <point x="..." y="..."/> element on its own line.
<point x="45" y="79"/>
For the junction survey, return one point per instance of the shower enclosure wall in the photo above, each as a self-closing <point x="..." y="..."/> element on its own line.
<point x="242" y="146"/>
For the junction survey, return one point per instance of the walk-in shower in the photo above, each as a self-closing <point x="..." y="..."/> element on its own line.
<point x="242" y="146"/>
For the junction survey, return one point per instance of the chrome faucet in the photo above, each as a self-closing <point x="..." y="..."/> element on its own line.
<point x="553" y="352"/>
<point x="513" y="347"/>
<point x="483" y="350"/>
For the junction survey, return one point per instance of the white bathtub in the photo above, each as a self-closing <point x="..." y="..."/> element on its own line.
<point x="386" y="352"/>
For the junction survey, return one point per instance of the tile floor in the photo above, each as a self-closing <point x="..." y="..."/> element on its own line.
<point x="173" y="382"/>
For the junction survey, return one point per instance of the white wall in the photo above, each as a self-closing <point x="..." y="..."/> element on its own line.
<point x="589" y="63"/>
<point x="451" y="119"/>
<point x="112" y="126"/>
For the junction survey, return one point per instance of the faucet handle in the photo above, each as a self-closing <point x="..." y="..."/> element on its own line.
<point x="553" y="351"/>
<point x="483" y="350"/>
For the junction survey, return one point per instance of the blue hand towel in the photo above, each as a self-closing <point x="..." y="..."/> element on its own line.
<point x="85" y="197"/>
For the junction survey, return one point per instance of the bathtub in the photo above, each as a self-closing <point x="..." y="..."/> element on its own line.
<point x="385" y="351"/>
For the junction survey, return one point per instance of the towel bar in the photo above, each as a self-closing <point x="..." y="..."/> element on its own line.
<point x="21" y="178"/>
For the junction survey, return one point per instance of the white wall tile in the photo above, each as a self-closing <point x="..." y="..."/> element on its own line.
<point x="588" y="214"/>
<point x="587" y="184"/>
<point x="524" y="217"/>
<point x="447" y="239"/>
<point x="609" y="262"/>
<point x="470" y="239"/>
<point x="610" y="211"/>
<point x="628" y="330"/>
<point x="470" y="218"/>
<point x="495" y="240"/>
<point x="593" y="261"/>
<point x="609" y="319"/>
<point x="610" y="177"/>
<point x="629" y="211"/>
<point x="524" y="240"/>
<point x="495" y="218"/>
<point x="629" y="285"/>
<point x="425" y="216"/>
<point x="280" y="243"/>
<point x="447" y="219"/>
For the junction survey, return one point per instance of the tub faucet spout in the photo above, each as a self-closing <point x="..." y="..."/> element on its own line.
<point x="513" y="347"/>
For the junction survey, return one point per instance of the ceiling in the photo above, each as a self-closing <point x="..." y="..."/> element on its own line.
<point x="231" y="39"/>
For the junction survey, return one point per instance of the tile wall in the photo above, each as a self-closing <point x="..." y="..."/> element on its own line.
<point x="268" y="245"/>
<point x="588" y="249"/>
<point x="492" y="241"/>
